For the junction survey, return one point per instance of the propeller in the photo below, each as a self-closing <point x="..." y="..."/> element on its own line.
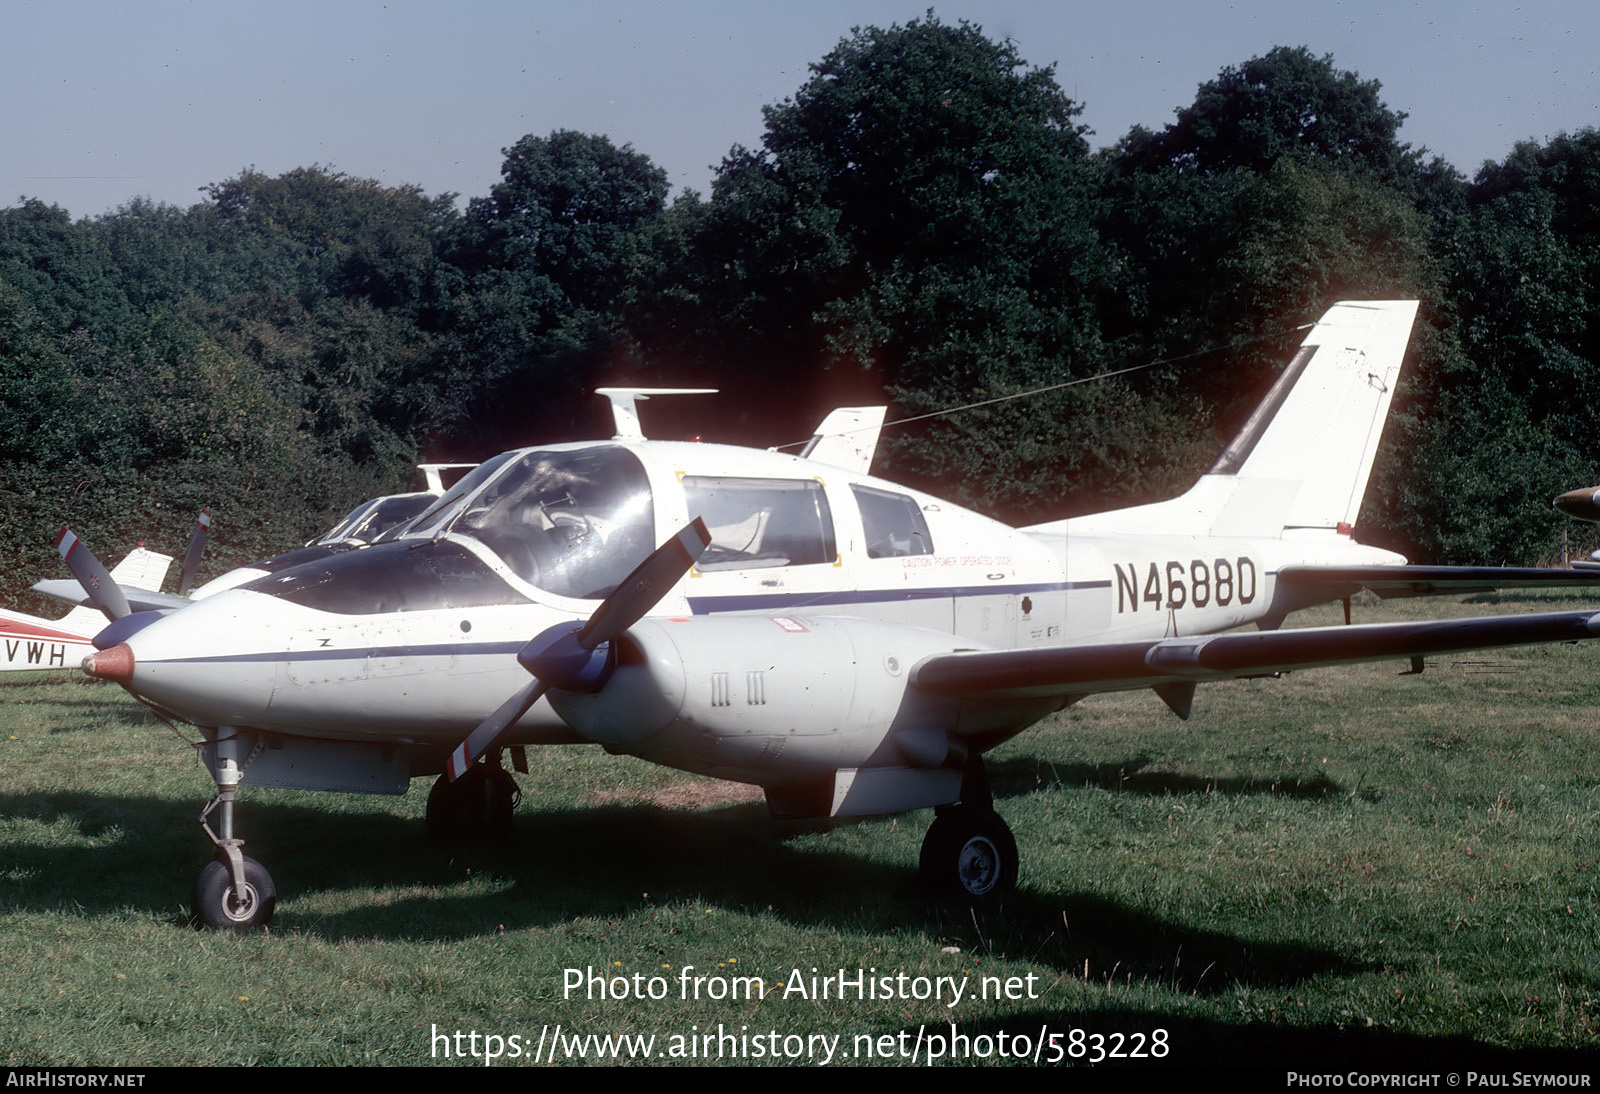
<point x="568" y="655"/>
<point x="191" y="557"/>
<point x="103" y="592"/>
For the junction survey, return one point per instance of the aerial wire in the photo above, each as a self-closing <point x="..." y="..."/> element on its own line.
<point x="1064" y="384"/>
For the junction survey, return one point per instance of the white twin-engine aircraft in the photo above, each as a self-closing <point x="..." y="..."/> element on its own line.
<point x="851" y="646"/>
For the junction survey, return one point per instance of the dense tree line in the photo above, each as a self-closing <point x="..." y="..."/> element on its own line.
<point x="924" y="221"/>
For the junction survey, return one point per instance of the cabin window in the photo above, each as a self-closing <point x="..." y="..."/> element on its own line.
<point x="893" y="524"/>
<point x="760" y="523"/>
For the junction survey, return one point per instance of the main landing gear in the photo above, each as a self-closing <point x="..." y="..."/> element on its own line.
<point x="477" y="805"/>
<point x="969" y="851"/>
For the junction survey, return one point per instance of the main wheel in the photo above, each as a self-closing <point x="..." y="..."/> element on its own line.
<point x="969" y="853"/>
<point x="218" y="904"/>
<point x="479" y="804"/>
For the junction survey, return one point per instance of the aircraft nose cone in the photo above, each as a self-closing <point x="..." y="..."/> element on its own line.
<point x="115" y="664"/>
<point x="1583" y="504"/>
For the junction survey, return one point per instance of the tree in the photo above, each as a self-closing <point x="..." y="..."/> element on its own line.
<point x="1286" y="103"/>
<point x="1509" y="424"/>
<point x="545" y="262"/>
<point x="60" y="269"/>
<point x="317" y="233"/>
<point x="569" y="207"/>
<point x="1282" y="189"/>
<point x="917" y="219"/>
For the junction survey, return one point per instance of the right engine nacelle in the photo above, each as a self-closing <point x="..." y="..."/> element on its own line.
<point x="771" y="700"/>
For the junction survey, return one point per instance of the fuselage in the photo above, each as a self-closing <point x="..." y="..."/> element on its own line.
<point x="28" y="642"/>
<point x="414" y="641"/>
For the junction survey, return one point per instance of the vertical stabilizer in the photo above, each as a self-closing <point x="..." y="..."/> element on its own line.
<point x="848" y="438"/>
<point x="1302" y="460"/>
<point x="1316" y="441"/>
<point x="142" y="569"/>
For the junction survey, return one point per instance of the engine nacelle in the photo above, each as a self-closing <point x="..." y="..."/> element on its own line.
<point x="771" y="700"/>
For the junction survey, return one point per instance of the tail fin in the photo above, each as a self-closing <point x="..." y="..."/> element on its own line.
<point x="847" y="437"/>
<point x="142" y="569"/>
<point x="1302" y="460"/>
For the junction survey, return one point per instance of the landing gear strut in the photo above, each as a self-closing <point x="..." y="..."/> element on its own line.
<point x="477" y="805"/>
<point x="969" y="851"/>
<point x="233" y="892"/>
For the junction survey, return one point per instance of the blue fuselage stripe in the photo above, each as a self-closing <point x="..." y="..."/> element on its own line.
<point x="760" y="602"/>
<point x="699" y="605"/>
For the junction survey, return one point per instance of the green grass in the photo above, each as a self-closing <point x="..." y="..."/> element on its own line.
<point x="1342" y="866"/>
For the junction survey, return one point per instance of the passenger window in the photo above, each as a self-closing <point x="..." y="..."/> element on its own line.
<point x="893" y="524"/>
<point x="759" y="523"/>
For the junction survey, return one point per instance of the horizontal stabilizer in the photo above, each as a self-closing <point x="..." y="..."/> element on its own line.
<point x="140" y="600"/>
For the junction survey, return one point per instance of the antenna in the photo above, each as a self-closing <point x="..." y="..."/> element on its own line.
<point x="625" y="412"/>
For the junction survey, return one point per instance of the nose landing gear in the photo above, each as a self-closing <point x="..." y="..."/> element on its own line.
<point x="233" y="892"/>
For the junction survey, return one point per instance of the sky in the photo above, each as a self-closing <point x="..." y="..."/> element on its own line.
<point x="108" y="101"/>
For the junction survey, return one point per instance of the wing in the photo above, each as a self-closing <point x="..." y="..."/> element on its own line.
<point x="1320" y="584"/>
<point x="1172" y="666"/>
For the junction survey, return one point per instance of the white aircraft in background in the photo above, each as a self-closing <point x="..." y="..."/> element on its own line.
<point x="850" y="645"/>
<point x="362" y="525"/>
<point x="31" y="642"/>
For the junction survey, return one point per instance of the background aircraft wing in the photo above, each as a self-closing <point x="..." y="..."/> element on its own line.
<point x="140" y="600"/>
<point x="1172" y="666"/>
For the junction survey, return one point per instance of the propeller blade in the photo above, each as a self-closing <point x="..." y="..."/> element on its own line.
<point x="634" y="597"/>
<point x="643" y="589"/>
<point x="191" y="557"/>
<point x="481" y="739"/>
<point x="102" y="592"/>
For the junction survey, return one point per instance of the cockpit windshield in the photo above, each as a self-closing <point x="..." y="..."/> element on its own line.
<point x="444" y="508"/>
<point x="367" y="521"/>
<point x="573" y="522"/>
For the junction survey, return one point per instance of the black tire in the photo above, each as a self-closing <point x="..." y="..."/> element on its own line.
<point x="476" y="806"/>
<point x="217" y="905"/>
<point x="969" y="853"/>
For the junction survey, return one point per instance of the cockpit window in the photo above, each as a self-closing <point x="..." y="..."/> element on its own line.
<point x="574" y="522"/>
<point x="756" y="523"/>
<point x="366" y="522"/>
<point x="440" y="512"/>
<point x="336" y="533"/>
<point x="893" y="523"/>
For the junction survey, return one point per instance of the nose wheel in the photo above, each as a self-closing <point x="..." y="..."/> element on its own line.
<point x="224" y="904"/>
<point x="233" y="892"/>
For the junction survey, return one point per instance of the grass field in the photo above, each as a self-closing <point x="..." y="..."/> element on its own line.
<point x="1343" y="867"/>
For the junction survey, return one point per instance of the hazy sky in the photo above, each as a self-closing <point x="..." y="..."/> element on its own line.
<point x="105" y="101"/>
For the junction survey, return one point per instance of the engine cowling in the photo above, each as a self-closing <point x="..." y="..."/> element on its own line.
<point x="770" y="700"/>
